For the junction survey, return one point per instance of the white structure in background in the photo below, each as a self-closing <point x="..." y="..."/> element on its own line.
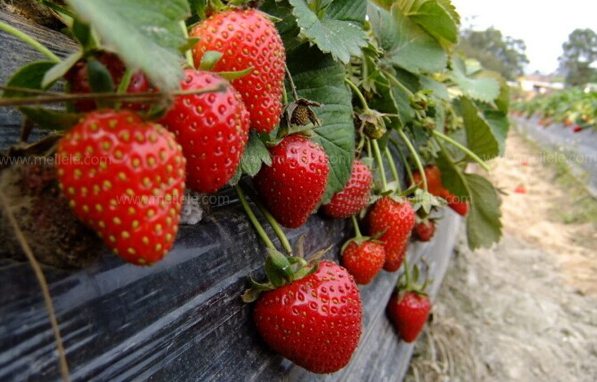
<point x="539" y="84"/>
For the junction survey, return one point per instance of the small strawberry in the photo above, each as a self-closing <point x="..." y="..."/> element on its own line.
<point x="394" y="221"/>
<point x="312" y="316"/>
<point x="363" y="260"/>
<point x="436" y="188"/>
<point x="409" y="306"/>
<point x="576" y="129"/>
<point x="294" y="184"/>
<point x="409" y="312"/>
<point x="79" y="83"/>
<point x="424" y="230"/>
<point x="247" y="39"/>
<point x="355" y="195"/>
<point x="124" y="178"/>
<point x="459" y="205"/>
<point x="213" y="129"/>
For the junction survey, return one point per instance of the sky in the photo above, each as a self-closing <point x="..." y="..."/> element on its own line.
<point x="544" y="25"/>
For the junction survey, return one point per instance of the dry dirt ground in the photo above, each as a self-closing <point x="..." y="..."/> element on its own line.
<point x="525" y="310"/>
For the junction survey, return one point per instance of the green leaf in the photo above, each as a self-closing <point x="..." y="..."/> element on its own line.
<point x="82" y="32"/>
<point x="146" y="34"/>
<point x="29" y="76"/>
<point x="483" y="225"/>
<point x="482" y="89"/>
<point x="320" y="79"/>
<point x="256" y="153"/>
<point x="339" y="32"/>
<point x="479" y="135"/>
<point x="406" y="43"/>
<point x="60" y="69"/>
<point x="440" y="90"/>
<point x="100" y="79"/>
<point x="287" y="27"/>
<point x="51" y="119"/>
<point x="434" y="18"/>
<point x="209" y="60"/>
<point x="499" y="124"/>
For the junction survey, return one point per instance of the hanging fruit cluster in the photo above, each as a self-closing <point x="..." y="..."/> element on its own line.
<point x="302" y="105"/>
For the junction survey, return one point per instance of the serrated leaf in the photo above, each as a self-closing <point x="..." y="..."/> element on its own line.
<point x="319" y="78"/>
<point x="479" y="135"/>
<point x="499" y="124"/>
<point x="483" y="225"/>
<point x="440" y="90"/>
<point x="434" y="18"/>
<point x="256" y="153"/>
<point x="482" y="89"/>
<point x="406" y="44"/>
<point x="287" y="26"/>
<point x="146" y="34"/>
<point x="339" y="32"/>
<point x="29" y="76"/>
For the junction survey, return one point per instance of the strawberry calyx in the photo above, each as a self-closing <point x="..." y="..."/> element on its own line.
<point x="408" y="282"/>
<point x="359" y="239"/>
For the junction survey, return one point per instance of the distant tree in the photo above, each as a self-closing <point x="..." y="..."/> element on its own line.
<point x="580" y="52"/>
<point x="502" y="54"/>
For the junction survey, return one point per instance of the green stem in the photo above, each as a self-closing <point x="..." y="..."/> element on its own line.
<point x="292" y="86"/>
<point x="379" y="160"/>
<point x="399" y="84"/>
<point x="407" y="270"/>
<point x="392" y="165"/>
<point x="403" y="159"/>
<point x="369" y="149"/>
<point x="465" y="149"/>
<point x="272" y="221"/>
<point x="188" y="53"/>
<point x="358" y="93"/>
<point x="124" y="85"/>
<point x="357" y="231"/>
<point x="253" y="218"/>
<point x="415" y="156"/>
<point x="29" y="41"/>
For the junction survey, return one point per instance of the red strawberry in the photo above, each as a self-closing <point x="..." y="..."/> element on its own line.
<point x="125" y="179"/>
<point x="576" y="129"/>
<point x="520" y="189"/>
<point x="294" y="184"/>
<point x="396" y="220"/>
<point x="434" y="180"/>
<point x="459" y="205"/>
<point x="79" y="83"/>
<point x="424" y="230"/>
<point x="315" y="321"/>
<point x="363" y="260"/>
<point x="355" y="195"/>
<point x="408" y="312"/>
<point x="247" y="38"/>
<point x="213" y="129"/>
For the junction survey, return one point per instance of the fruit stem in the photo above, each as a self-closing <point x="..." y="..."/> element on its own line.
<point x="253" y="218"/>
<point x="415" y="156"/>
<point x="39" y="274"/>
<point x="407" y="272"/>
<point x="399" y="84"/>
<point x="379" y="160"/>
<point x="292" y="86"/>
<point x="403" y="159"/>
<point x="188" y="53"/>
<point x="272" y="221"/>
<point x="357" y="231"/>
<point x="124" y="85"/>
<point x="29" y="41"/>
<point x="359" y="94"/>
<point x="392" y="165"/>
<point x="466" y="150"/>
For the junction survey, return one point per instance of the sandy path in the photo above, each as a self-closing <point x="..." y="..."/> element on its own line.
<point x="525" y="310"/>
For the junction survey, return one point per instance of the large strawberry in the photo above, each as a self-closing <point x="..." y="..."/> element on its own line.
<point x="247" y="39"/>
<point x="408" y="312"/>
<point x="394" y="221"/>
<point x="355" y="195"/>
<point x="294" y="184"/>
<point x="125" y="179"/>
<point x="314" y="321"/>
<point x="78" y="81"/>
<point x="213" y="129"/>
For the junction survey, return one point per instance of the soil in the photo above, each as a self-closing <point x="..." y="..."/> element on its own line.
<point x="525" y="309"/>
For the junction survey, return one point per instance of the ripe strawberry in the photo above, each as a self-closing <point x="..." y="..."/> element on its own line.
<point x="213" y="129"/>
<point x="363" y="260"/>
<point x="424" y="230"/>
<point x="459" y="205"/>
<point x="434" y="179"/>
<point x="395" y="219"/>
<point x="124" y="178"/>
<point x="408" y="312"/>
<point x="315" y="321"/>
<point x="520" y="189"/>
<point x="79" y="83"/>
<point x="294" y="184"/>
<point x="576" y="129"/>
<point x="355" y="195"/>
<point x="247" y="38"/>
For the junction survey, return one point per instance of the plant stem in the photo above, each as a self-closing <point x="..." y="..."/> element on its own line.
<point x="392" y="164"/>
<point x="407" y="270"/>
<point x="357" y="231"/>
<point x="399" y="84"/>
<point x="43" y="284"/>
<point x="403" y="159"/>
<point x="29" y="41"/>
<point x="124" y="85"/>
<point x="379" y="160"/>
<point x="253" y="218"/>
<point x="415" y="156"/>
<point x="465" y="149"/>
<point x="358" y="93"/>
<point x="292" y="86"/>
<point x="188" y="54"/>
<point x="272" y="221"/>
